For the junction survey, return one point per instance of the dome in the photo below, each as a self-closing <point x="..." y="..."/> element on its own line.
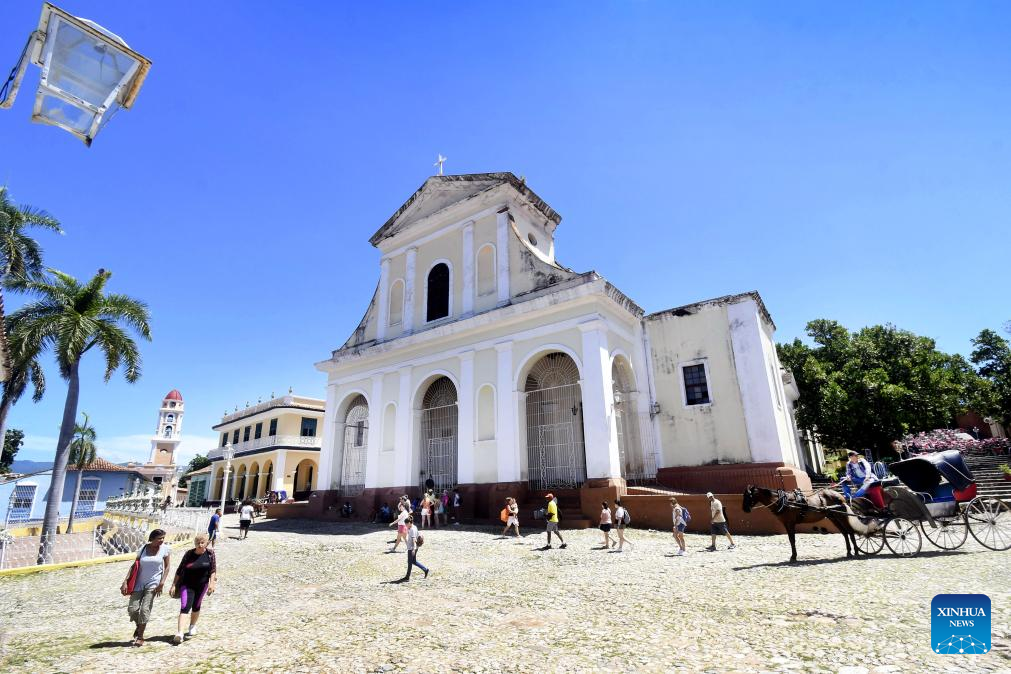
<point x="174" y="394"/>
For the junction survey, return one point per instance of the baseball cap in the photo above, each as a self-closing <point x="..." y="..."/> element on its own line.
<point x="709" y="494"/>
<point x="549" y="497"/>
<point x="853" y="452"/>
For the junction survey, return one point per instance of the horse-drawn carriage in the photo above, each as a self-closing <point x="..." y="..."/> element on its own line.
<point x="935" y="494"/>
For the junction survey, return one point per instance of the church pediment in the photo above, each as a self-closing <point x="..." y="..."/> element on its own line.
<point x="440" y="192"/>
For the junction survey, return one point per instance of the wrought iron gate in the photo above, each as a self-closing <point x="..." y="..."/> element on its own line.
<point x="555" y="455"/>
<point x="355" y="454"/>
<point x="439" y="420"/>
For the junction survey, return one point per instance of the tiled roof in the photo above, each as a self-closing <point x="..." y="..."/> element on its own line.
<point x="100" y="464"/>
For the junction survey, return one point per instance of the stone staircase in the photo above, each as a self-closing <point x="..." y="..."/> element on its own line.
<point x="990" y="481"/>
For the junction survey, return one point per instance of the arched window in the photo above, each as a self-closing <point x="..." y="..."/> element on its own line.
<point x="170" y="418"/>
<point x="168" y="431"/>
<point x="438" y="292"/>
<point x="486" y="270"/>
<point x="396" y="302"/>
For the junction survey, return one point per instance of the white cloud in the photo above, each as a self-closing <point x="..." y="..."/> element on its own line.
<point x="120" y="448"/>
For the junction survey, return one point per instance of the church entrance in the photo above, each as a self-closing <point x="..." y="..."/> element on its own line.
<point x="635" y="449"/>
<point x="355" y="454"/>
<point x="439" y="417"/>
<point x="556" y="457"/>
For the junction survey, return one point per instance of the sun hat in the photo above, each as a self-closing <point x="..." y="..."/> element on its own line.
<point x="709" y="494"/>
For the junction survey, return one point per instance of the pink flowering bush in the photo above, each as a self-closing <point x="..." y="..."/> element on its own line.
<point x="943" y="439"/>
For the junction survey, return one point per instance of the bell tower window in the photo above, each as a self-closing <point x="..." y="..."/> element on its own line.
<point x="437" y="292"/>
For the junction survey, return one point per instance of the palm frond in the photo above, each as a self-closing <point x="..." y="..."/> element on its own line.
<point x="133" y="312"/>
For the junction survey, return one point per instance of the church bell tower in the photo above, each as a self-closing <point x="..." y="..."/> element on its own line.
<point x="168" y="434"/>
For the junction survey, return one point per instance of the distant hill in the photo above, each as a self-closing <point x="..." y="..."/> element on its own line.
<point x="30" y="466"/>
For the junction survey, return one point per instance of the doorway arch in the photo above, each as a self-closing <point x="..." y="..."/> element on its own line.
<point x="439" y="429"/>
<point x="355" y="453"/>
<point x="556" y="456"/>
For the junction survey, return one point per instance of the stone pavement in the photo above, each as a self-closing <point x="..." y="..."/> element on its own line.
<point x="310" y="597"/>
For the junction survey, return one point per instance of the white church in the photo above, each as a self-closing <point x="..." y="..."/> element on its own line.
<point x="483" y="364"/>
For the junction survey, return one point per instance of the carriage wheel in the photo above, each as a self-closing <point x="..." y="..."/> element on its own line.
<point x="870" y="543"/>
<point x="903" y="537"/>
<point x="989" y="521"/>
<point x="950" y="533"/>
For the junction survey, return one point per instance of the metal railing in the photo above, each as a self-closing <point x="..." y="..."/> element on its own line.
<point x="310" y="441"/>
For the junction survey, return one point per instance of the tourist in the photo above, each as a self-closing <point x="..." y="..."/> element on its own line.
<point x="444" y="507"/>
<point x="347" y="510"/>
<point x="605" y="526"/>
<point x="456" y="506"/>
<point x="551" y="522"/>
<point x="428" y="510"/>
<point x="678" y="513"/>
<point x="246" y="514"/>
<point x="401" y="522"/>
<point x="717" y="522"/>
<point x="620" y="517"/>
<point x="214" y="526"/>
<point x="414" y="541"/>
<point x="512" y="517"/>
<point x="151" y="563"/>
<point x="196" y="576"/>
<point x="385" y="514"/>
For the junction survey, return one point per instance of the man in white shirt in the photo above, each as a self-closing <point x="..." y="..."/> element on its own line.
<point x="246" y="514"/>
<point x="412" y="550"/>
<point x="717" y="522"/>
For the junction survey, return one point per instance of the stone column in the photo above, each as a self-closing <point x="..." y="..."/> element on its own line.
<point x="330" y="446"/>
<point x="384" y="299"/>
<point x="602" y="458"/>
<point x="375" y="432"/>
<point x="505" y="416"/>
<point x="502" y="255"/>
<point x="465" y="420"/>
<point x="468" y="269"/>
<point x="404" y="447"/>
<point x="408" y="320"/>
<point x="279" y="468"/>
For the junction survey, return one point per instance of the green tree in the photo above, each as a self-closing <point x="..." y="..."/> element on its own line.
<point x="867" y="388"/>
<point x="24" y="368"/>
<point x="13" y="440"/>
<point x="20" y="254"/>
<point x="72" y="318"/>
<point x="992" y="356"/>
<point x="196" y="463"/>
<point x="82" y="453"/>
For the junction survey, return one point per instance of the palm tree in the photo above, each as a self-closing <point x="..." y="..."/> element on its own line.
<point x="20" y="254"/>
<point x="24" y="368"/>
<point x="73" y="318"/>
<point x="82" y="453"/>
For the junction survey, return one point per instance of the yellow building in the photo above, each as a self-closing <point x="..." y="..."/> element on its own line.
<point x="276" y="448"/>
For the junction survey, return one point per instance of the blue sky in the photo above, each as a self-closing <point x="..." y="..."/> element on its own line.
<point x="849" y="162"/>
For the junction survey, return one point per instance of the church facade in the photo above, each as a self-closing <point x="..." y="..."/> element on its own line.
<point x="484" y="365"/>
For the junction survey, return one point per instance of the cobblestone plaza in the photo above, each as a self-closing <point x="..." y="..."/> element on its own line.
<point x="310" y="597"/>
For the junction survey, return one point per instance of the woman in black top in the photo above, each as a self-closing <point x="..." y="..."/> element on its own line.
<point x="196" y="576"/>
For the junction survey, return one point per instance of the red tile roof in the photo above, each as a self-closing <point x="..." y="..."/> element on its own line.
<point x="100" y="464"/>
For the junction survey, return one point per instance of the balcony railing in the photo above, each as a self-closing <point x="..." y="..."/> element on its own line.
<point x="310" y="442"/>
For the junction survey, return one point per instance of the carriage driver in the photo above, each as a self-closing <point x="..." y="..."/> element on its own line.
<point x="859" y="474"/>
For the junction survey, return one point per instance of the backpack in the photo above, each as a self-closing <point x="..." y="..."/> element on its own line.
<point x="504" y="515"/>
<point x="419" y="541"/>
<point x="625" y="517"/>
<point x="685" y="515"/>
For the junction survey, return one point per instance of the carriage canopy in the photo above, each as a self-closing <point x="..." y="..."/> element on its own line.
<point x="924" y="473"/>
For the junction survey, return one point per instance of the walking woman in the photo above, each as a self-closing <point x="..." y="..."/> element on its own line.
<point x="401" y="522"/>
<point x="620" y="515"/>
<point x="152" y="565"/>
<point x="427" y="503"/>
<point x="605" y="526"/>
<point x="512" y="517"/>
<point x="414" y="541"/>
<point x="680" y="524"/>
<point x="196" y="576"/>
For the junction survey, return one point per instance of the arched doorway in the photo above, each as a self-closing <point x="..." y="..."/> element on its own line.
<point x="302" y="479"/>
<point x="439" y="417"/>
<point x="635" y="455"/>
<point x="254" y="481"/>
<point x="268" y="479"/>
<point x="355" y="454"/>
<point x="219" y="480"/>
<point x="240" y="483"/>
<point x="556" y="458"/>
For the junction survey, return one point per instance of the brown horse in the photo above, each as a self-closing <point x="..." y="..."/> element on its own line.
<point x="793" y="509"/>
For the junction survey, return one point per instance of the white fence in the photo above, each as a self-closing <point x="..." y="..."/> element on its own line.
<point x="124" y="528"/>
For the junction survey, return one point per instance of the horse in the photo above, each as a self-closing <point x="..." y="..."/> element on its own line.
<point x="793" y="510"/>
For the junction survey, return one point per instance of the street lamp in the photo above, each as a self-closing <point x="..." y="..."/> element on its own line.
<point x="229" y="453"/>
<point x="88" y="73"/>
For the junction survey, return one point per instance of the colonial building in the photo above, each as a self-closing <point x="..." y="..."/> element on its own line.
<point x="276" y="447"/>
<point x="484" y="364"/>
<point x="161" y="464"/>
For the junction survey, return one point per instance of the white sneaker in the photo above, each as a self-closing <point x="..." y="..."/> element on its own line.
<point x="177" y="639"/>
<point x="732" y="546"/>
<point x="192" y="631"/>
<point x="680" y="553"/>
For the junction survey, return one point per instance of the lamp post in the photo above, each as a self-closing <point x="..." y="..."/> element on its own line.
<point x="88" y="73"/>
<point x="229" y="453"/>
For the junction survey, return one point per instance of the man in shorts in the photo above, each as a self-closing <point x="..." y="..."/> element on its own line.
<point x="717" y="523"/>
<point x="246" y="514"/>
<point x="551" y="518"/>
<point x="214" y="526"/>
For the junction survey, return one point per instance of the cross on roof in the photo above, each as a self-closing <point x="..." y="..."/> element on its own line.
<point x="439" y="162"/>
